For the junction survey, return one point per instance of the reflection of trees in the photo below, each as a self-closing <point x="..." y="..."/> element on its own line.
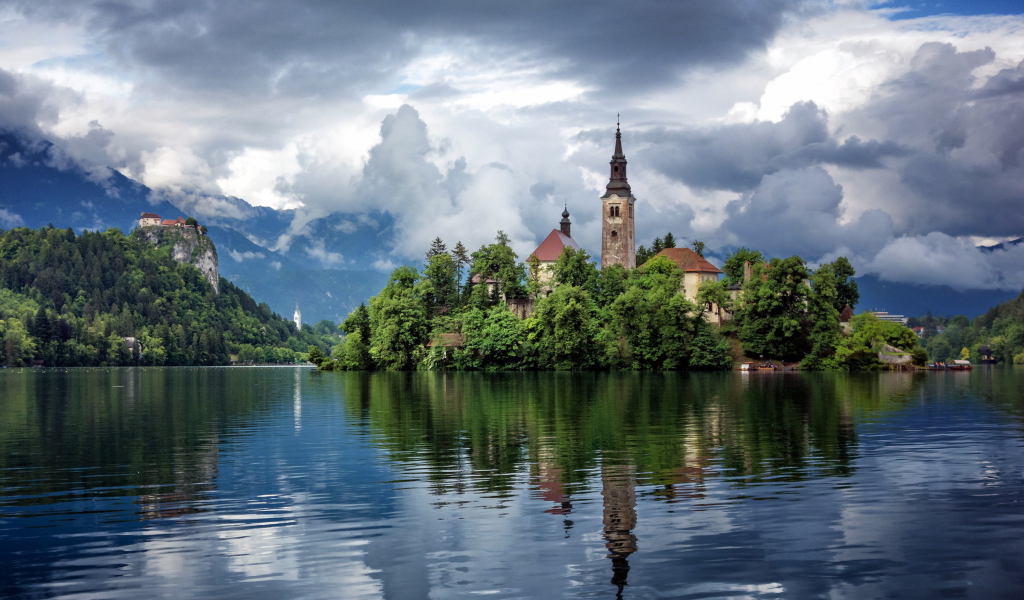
<point x="674" y="430"/>
<point x="154" y="436"/>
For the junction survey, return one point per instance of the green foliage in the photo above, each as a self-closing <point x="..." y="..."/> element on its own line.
<point x="653" y="318"/>
<point x="565" y="329"/>
<point x="69" y="300"/>
<point x="440" y="282"/>
<point x="708" y="351"/>
<point x="610" y="283"/>
<point x="712" y="294"/>
<point x="573" y="267"/>
<point x="859" y="351"/>
<point x="826" y="330"/>
<point x="846" y="288"/>
<point x="644" y="254"/>
<point x="499" y="263"/>
<point x="398" y="322"/>
<point x="698" y="247"/>
<point x="773" y="315"/>
<point x="734" y="262"/>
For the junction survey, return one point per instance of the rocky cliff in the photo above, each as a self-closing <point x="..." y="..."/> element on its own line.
<point x="187" y="246"/>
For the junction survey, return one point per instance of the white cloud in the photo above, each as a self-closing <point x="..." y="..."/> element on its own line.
<point x="939" y="259"/>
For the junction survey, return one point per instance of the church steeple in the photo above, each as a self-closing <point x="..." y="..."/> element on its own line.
<point x="565" y="223"/>
<point x="617" y="183"/>
<point x="618" y="230"/>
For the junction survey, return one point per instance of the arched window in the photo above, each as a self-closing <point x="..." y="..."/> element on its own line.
<point x="615" y="234"/>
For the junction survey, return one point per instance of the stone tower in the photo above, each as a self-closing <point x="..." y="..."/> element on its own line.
<point x="618" y="231"/>
<point x="297" y="317"/>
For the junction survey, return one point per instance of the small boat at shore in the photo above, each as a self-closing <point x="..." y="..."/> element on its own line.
<point x="956" y="365"/>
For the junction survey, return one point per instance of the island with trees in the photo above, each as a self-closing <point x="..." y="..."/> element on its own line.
<point x="490" y="311"/>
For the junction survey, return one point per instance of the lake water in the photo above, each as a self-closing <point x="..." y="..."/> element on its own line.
<point x="285" y="483"/>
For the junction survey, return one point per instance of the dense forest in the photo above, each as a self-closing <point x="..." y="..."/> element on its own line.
<point x="458" y="313"/>
<point x="72" y="300"/>
<point x="1000" y="331"/>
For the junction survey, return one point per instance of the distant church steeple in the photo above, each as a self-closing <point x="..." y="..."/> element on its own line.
<point x="298" y="317"/>
<point x="618" y="230"/>
<point x="565" y="223"/>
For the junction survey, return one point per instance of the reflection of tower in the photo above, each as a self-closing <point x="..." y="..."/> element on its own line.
<point x="297" y="317"/>
<point x="297" y="404"/>
<point x="549" y="482"/>
<point x="619" y="519"/>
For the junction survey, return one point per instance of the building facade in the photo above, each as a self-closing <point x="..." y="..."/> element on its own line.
<point x="618" y="229"/>
<point x="549" y="251"/>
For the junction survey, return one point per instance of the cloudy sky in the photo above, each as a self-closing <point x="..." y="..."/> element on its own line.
<point x="889" y="132"/>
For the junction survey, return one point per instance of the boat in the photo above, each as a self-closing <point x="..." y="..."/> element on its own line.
<point x="959" y="365"/>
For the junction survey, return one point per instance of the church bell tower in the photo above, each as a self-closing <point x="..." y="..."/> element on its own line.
<point x="618" y="232"/>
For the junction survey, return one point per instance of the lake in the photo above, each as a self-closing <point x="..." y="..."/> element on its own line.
<point x="287" y="483"/>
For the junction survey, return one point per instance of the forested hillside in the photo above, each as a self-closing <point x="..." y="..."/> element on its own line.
<point x="71" y="300"/>
<point x="1001" y="330"/>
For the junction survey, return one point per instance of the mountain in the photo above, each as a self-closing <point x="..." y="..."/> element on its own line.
<point x="913" y="299"/>
<point x="325" y="267"/>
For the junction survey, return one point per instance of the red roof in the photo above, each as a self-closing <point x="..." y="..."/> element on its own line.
<point x="689" y="261"/>
<point x="149" y="216"/>
<point x="551" y="248"/>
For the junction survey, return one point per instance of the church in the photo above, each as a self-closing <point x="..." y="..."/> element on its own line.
<point x="618" y="236"/>
<point x="618" y="229"/>
<point x="618" y="233"/>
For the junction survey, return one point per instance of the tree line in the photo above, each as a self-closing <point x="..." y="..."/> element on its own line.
<point x="455" y="314"/>
<point x="71" y="300"/>
<point x="1000" y="332"/>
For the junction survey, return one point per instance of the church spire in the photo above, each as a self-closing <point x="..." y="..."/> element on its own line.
<point x="617" y="183"/>
<point x="565" y="222"/>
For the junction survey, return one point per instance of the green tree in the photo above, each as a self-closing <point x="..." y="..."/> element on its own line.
<point x="714" y="296"/>
<point x="398" y="322"/>
<point x="565" y="329"/>
<point x="846" y="288"/>
<point x="772" y="318"/>
<point x="461" y="259"/>
<point x="735" y="262"/>
<point x="499" y="263"/>
<point x="709" y="351"/>
<point x="573" y="267"/>
<point x="440" y="282"/>
<point x="826" y="330"/>
<point x="611" y="283"/>
<point x="698" y="247"/>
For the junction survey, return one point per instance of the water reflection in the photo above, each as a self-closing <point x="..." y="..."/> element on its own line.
<point x="448" y="484"/>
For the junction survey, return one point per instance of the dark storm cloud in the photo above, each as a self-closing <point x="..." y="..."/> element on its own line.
<point x="737" y="156"/>
<point x="799" y="212"/>
<point x="309" y="48"/>
<point x="967" y="163"/>
<point x="26" y="102"/>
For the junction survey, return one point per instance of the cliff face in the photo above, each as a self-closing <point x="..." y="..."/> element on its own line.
<point x="187" y="246"/>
